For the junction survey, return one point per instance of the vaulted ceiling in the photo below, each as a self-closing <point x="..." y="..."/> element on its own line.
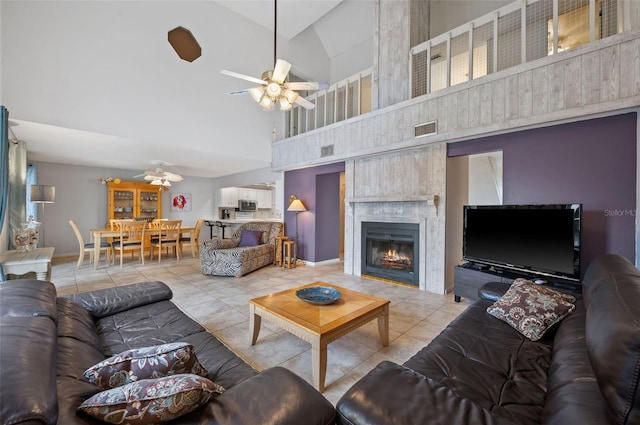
<point x="98" y="84"/>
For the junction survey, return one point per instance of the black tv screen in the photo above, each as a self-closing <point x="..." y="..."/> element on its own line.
<point x="541" y="239"/>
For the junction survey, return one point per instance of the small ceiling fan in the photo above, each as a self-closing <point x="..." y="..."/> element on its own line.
<point x="160" y="177"/>
<point x="274" y="86"/>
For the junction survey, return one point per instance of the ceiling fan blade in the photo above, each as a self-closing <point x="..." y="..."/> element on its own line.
<point x="243" y="77"/>
<point x="281" y="71"/>
<point x="172" y="177"/>
<point x="306" y="85"/>
<point x="239" y="92"/>
<point x="149" y="178"/>
<point x="305" y="103"/>
<point x="150" y="173"/>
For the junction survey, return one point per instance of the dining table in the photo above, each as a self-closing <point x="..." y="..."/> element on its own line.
<point x="98" y="234"/>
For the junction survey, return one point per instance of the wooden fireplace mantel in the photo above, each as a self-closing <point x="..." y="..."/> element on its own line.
<point x="393" y="198"/>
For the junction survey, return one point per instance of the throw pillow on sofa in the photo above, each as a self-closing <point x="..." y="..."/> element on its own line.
<point x="532" y="309"/>
<point x="250" y="238"/>
<point x="144" y="363"/>
<point x="150" y="401"/>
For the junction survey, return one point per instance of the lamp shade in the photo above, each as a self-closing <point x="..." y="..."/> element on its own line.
<point x="43" y="194"/>
<point x="296" y="206"/>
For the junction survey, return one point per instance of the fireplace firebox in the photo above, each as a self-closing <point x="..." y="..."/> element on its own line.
<point x="391" y="251"/>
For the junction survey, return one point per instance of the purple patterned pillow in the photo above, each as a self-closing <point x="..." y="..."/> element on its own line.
<point x="250" y="238"/>
<point x="144" y="363"/>
<point x="150" y="401"/>
<point x="532" y="309"/>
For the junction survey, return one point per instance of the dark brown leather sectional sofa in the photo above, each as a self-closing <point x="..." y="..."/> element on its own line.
<point x="479" y="370"/>
<point x="46" y="343"/>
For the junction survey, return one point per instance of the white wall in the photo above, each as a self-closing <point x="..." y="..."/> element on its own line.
<point x="79" y="196"/>
<point x="110" y="70"/>
<point x="485" y="179"/>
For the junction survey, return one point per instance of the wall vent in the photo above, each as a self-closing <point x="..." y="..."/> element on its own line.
<point x="426" y="129"/>
<point x="326" y="151"/>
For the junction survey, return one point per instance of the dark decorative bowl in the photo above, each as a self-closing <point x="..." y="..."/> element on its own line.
<point x="319" y="295"/>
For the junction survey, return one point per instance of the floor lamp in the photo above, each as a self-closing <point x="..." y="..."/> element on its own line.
<point x="296" y="206"/>
<point x="42" y="194"/>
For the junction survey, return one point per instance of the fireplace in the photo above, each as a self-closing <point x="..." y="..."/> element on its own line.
<point x="390" y="251"/>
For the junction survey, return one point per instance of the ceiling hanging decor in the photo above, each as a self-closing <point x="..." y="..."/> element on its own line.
<point x="274" y="86"/>
<point x="185" y="44"/>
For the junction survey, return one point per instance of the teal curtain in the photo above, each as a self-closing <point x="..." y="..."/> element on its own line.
<point x="4" y="169"/>
<point x="4" y="162"/>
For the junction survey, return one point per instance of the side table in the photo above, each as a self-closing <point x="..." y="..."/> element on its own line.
<point x="277" y="260"/>
<point x="21" y="262"/>
<point x="290" y="254"/>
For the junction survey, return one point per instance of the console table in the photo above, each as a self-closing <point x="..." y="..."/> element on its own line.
<point x="467" y="280"/>
<point x="21" y="262"/>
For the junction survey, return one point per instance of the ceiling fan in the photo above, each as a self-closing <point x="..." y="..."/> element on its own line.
<point x="160" y="177"/>
<point x="274" y="86"/>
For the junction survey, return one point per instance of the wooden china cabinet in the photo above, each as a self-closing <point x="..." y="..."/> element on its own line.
<point x="134" y="200"/>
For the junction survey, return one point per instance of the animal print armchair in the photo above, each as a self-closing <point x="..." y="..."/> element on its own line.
<point x="251" y="247"/>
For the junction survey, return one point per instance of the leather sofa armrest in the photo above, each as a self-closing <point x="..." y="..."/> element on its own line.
<point x="275" y="396"/>
<point x="109" y="301"/>
<point x="28" y="392"/>
<point x="220" y="244"/>
<point x="391" y="394"/>
<point x="492" y="291"/>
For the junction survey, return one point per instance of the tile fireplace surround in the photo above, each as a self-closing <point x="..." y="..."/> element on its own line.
<point x="403" y="187"/>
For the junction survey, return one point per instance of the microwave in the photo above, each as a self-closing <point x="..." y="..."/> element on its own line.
<point x="245" y="205"/>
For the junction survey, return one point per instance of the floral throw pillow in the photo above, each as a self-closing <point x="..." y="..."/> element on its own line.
<point x="532" y="309"/>
<point x="145" y="363"/>
<point x="150" y="401"/>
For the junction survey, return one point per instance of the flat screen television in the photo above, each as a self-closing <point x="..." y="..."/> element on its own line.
<point x="537" y="239"/>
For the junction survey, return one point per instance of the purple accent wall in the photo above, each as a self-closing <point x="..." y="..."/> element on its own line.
<point x="319" y="190"/>
<point x="327" y="244"/>
<point x="589" y="162"/>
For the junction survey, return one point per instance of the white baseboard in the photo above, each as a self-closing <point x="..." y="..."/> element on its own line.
<point x="321" y="263"/>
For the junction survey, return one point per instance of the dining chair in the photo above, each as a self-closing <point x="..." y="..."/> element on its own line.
<point x="115" y="223"/>
<point x="131" y="238"/>
<point x="195" y="249"/>
<point x="168" y="235"/>
<point x="89" y="247"/>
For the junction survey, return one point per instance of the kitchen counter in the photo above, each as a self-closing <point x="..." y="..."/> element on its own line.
<point x="246" y="220"/>
<point x="233" y="224"/>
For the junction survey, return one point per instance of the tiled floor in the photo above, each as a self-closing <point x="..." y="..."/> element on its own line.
<point x="221" y="305"/>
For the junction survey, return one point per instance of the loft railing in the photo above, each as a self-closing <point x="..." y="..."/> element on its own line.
<point x="520" y="32"/>
<point x="346" y="99"/>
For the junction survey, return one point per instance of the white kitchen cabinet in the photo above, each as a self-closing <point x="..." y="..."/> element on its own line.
<point x="229" y="197"/>
<point x="265" y="199"/>
<point x="246" y="194"/>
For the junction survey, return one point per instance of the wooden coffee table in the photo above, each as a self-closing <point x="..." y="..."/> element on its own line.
<point x="319" y="324"/>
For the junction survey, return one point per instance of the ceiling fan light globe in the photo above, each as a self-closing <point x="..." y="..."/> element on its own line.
<point x="284" y="104"/>
<point x="290" y="95"/>
<point x="257" y="93"/>
<point x="274" y="89"/>
<point x="266" y="103"/>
